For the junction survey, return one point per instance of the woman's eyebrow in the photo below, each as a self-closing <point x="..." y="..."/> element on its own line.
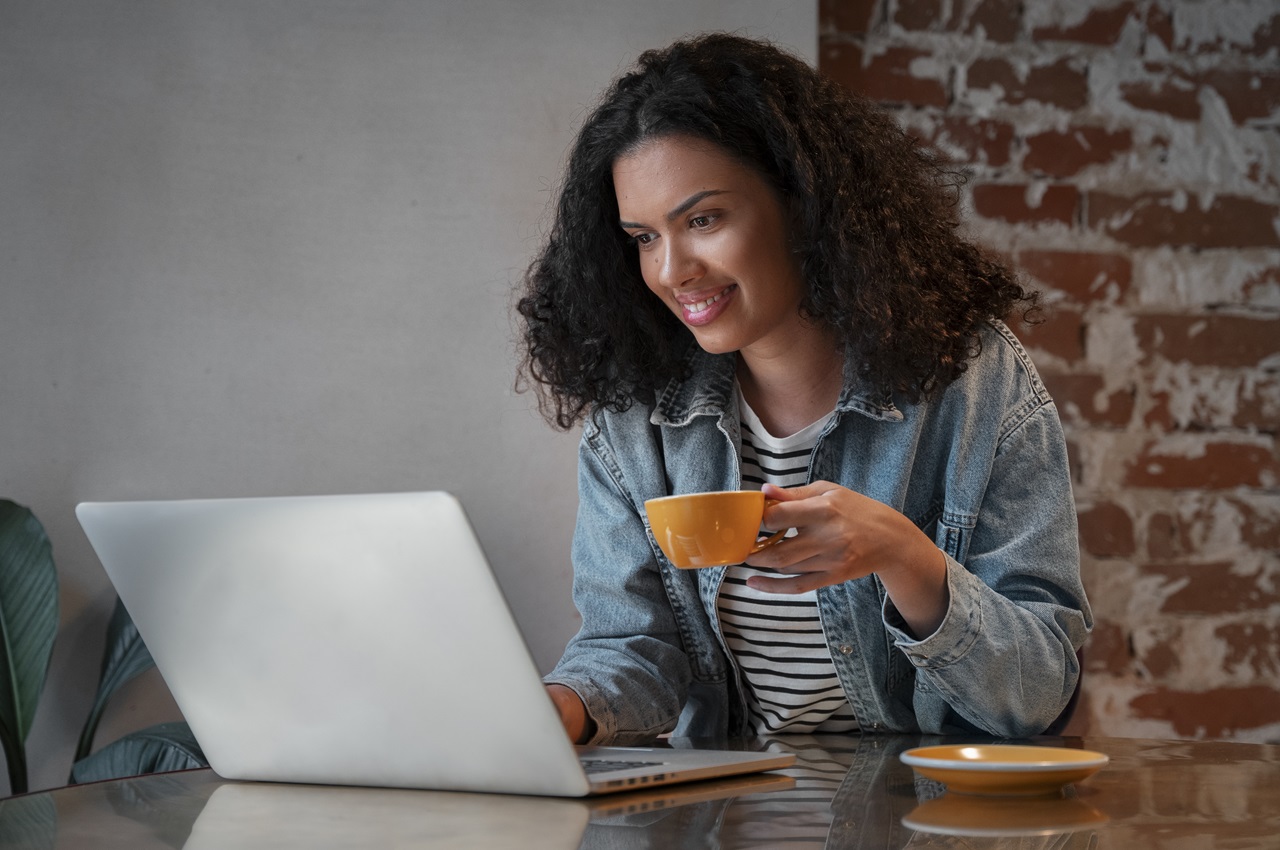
<point x="686" y="205"/>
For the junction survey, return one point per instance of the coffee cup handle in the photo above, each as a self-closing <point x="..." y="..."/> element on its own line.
<point x="772" y="539"/>
<point x="776" y="537"/>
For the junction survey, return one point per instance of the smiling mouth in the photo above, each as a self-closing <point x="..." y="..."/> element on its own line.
<point x="703" y="306"/>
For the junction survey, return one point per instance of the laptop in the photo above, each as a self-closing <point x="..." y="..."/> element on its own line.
<point x="355" y="640"/>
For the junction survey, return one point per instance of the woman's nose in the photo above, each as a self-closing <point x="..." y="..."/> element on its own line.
<point x="677" y="265"/>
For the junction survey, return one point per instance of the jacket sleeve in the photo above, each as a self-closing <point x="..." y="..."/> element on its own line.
<point x="627" y="661"/>
<point x="1004" y="658"/>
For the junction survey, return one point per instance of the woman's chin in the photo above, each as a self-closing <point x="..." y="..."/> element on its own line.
<point x="715" y="343"/>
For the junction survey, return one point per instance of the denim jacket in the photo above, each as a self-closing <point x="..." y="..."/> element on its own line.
<point x="981" y="468"/>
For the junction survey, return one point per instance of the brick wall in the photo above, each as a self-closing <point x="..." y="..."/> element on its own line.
<point x="1126" y="157"/>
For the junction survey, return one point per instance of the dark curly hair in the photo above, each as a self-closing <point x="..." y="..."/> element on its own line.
<point x="876" y="228"/>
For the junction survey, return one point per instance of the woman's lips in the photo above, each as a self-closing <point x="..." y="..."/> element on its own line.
<point x="706" y="310"/>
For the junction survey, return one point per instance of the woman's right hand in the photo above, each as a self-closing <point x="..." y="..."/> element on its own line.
<point x="573" y="714"/>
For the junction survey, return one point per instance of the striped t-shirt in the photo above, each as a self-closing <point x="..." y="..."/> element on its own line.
<point x="777" y="639"/>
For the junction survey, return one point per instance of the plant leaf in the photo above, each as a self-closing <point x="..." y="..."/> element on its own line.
<point x="28" y="626"/>
<point x="165" y="746"/>
<point x="28" y="823"/>
<point x="124" y="657"/>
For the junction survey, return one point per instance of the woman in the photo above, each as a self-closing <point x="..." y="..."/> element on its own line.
<point x="754" y="278"/>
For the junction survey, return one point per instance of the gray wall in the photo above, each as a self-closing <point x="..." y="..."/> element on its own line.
<point x="259" y="248"/>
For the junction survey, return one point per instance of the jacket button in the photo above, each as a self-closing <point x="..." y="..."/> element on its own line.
<point x="845" y="648"/>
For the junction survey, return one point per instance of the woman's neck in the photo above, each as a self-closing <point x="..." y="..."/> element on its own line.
<point x="795" y="387"/>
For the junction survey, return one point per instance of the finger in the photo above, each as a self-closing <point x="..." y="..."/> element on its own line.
<point x="784" y="554"/>
<point x="785" y="586"/>
<point x="791" y="494"/>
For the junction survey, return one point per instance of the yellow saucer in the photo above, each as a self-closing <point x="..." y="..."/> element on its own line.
<point x="994" y="817"/>
<point x="1004" y="769"/>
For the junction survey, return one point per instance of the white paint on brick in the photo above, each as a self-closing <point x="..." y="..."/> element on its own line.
<point x="1195" y="445"/>
<point x="1199" y="24"/>
<point x="1198" y="395"/>
<point x="1063" y="14"/>
<point x="1179" y="278"/>
<point x="1111" y="346"/>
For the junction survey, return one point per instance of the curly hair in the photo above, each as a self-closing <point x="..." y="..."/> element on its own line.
<point x="876" y="230"/>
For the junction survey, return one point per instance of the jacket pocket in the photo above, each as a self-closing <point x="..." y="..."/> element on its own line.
<point x="954" y="533"/>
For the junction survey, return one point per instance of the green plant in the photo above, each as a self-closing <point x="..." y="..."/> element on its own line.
<point x="124" y="657"/>
<point x="165" y="746"/>
<point x="28" y="626"/>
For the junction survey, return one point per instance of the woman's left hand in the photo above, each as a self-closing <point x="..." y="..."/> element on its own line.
<point x="844" y="535"/>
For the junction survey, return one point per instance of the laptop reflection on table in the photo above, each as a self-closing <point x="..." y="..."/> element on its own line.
<point x="283" y="817"/>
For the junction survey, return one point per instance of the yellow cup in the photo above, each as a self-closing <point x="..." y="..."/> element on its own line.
<point x="709" y="529"/>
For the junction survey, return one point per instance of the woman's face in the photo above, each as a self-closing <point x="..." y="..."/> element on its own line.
<point x="712" y="240"/>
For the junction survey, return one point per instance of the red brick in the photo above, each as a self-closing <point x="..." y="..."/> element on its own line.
<point x="1060" y="84"/>
<point x="1159" y="23"/>
<point x="1064" y="154"/>
<point x="1100" y="26"/>
<point x="1168" y="537"/>
<point x="1077" y="397"/>
<point x="1085" y="276"/>
<point x="1221" y="466"/>
<point x="1260" y="530"/>
<point x="1257" y="407"/>
<point x="1252" y="645"/>
<point x="1212" y="588"/>
<point x="1247" y="93"/>
<point x="979" y="140"/>
<point x="1060" y="334"/>
<point x="999" y="19"/>
<point x="1208" y="339"/>
<point x="1158" y="658"/>
<point x="918" y="14"/>
<point x="1108" y="650"/>
<point x="1265" y="38"/>
<point x="1217" y="713"/>
<point x="1106" y="530"/>
<point x="887" y="78"/>
<point x="1153" y="219"/>
<point x="1215" y="521"/>
<point x="1008" y="202"/>
<point x="854" y="17"/>
<point x="1173" y="95"/>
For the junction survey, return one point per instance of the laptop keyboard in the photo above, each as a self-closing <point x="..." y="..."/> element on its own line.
<point x="591" y="765"/>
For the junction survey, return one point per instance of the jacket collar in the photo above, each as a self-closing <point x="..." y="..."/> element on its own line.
<point x="708" y="391"/>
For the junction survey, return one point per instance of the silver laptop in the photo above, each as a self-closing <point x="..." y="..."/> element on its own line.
<point x="355" y="640"/>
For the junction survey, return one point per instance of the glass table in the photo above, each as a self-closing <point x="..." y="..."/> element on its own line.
<point x="843" y="792"/>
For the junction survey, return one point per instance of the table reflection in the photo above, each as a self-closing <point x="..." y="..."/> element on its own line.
<point x="843" y="792"/>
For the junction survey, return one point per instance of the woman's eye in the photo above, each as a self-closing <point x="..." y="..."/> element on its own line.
<point x="642" y="238"/>
<point x="700" y="221"/>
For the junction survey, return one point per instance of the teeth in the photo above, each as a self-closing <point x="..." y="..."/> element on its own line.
<point x="702" y="305"/>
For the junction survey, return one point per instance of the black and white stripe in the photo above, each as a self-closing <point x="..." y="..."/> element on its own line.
<point x="799" y="817"/>
<point x="777" y="640"/>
